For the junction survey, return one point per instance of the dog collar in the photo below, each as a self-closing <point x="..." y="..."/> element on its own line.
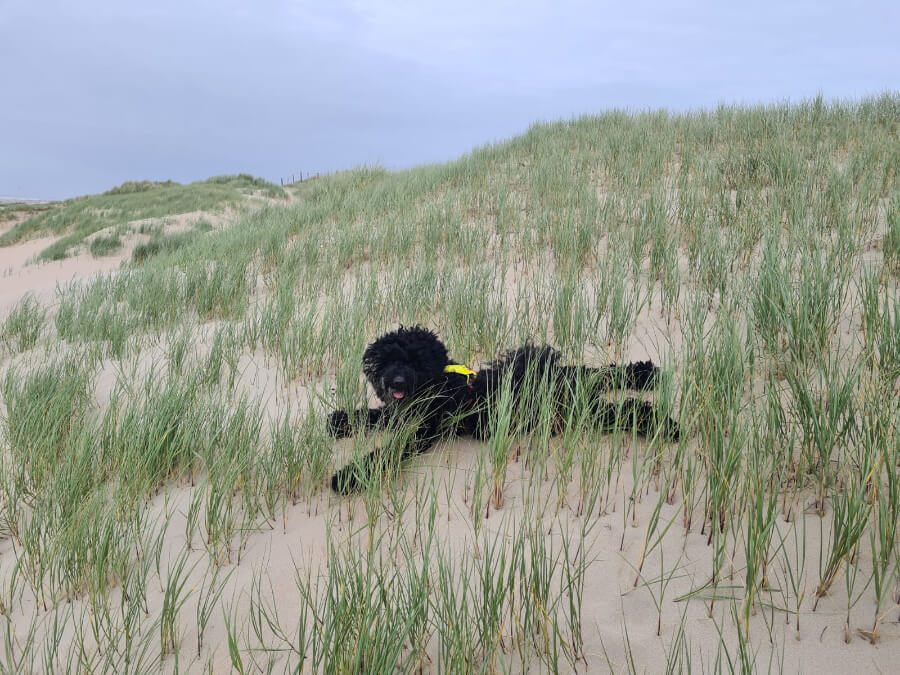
<point x="461" y="370"/>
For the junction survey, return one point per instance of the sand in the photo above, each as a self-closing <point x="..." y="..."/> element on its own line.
<point x="612" y="605"/>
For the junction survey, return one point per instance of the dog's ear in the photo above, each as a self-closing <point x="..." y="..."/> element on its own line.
<point x="375" y="357"/>
<point x="430" y="351"/>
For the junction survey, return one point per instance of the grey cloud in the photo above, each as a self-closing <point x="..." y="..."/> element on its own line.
<point x="100" y="92"/>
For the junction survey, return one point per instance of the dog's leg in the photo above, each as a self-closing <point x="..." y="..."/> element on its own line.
<point x="356" y="475"/>
<point x="636" y="414"/>
<point x="342" y="424"/>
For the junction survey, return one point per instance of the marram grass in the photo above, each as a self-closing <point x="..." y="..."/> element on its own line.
<point x="163" y="433"/>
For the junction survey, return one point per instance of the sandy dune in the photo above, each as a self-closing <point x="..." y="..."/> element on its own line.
<point x="613" y="608"/>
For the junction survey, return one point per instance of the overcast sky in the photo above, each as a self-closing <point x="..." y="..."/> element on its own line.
<point x="93" y="93"/>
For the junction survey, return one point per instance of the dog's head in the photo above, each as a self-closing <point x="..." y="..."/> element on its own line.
<point x="401" y="363"/>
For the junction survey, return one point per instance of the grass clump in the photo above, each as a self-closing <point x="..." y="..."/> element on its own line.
<point x="22" y="327"/>
<point x="167" y="243"/>
<point x="105" y="244"/>
<point x="131" y="187"/>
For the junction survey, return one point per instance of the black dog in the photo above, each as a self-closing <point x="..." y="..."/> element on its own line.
<point x="430" y="395"/>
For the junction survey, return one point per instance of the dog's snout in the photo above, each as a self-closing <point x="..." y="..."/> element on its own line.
<point x="399" y="380"/>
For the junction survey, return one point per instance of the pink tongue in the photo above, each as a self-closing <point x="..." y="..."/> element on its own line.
<point x="398" y="394"/>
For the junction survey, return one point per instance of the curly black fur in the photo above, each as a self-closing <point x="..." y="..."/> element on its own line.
<point x="406" y="369"/>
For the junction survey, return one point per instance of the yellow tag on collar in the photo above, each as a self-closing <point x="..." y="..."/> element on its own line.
<point x="461" y="370"/>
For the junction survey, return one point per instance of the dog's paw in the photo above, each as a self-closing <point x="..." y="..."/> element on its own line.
<point x="339" y="424"/>
<point x="643" y="375"/>
<point x="346" y="481"/>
